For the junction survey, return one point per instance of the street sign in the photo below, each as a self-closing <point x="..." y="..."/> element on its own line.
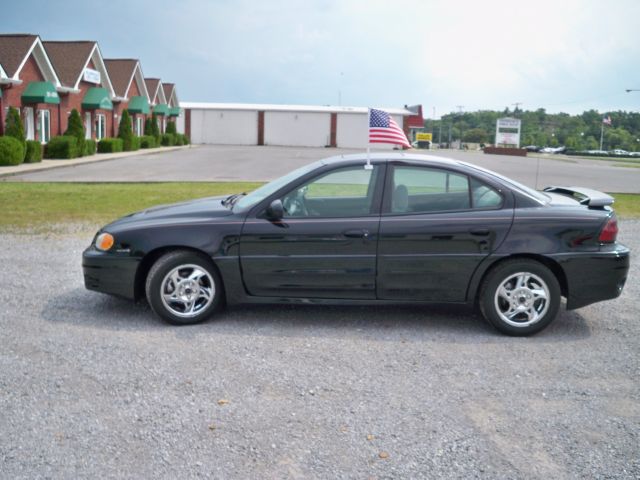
<point x="508" y="132"/>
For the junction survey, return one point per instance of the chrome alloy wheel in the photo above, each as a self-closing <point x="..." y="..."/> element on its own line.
<point x="522" y="299"/>
<point x="187" y="290"/>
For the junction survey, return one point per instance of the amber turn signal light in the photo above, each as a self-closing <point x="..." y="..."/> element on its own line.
<point x="104" y="241"/>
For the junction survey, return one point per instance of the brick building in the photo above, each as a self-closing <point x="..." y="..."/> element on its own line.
<point x="131" y="92"/>
<point x="157" y="100"/>
<point x="172" y="100"/>
<point x="80" y="68"/>
<point x="28" y="82"/>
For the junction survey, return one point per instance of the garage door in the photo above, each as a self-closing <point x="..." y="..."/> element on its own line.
<point x="353" y="131"/>
<point x="297" y="129"/>
<point x="224" y="127"/>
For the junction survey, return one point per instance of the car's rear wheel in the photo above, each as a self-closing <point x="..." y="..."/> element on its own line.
<point x="520" y="297"/>
<point x="183" y="287"/>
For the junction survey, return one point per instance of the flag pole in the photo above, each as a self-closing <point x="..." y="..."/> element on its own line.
<point x="368" y="166"/>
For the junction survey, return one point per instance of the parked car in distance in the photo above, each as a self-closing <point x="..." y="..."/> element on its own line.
<point x="406" y="228"/>
<point x="619" y="151"/>
<point x="532" y="148"/>
<point x="553" y="150"/>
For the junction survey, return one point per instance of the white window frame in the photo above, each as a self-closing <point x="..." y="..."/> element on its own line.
<point x="28" y="123"/>
<point x="44" y="134"/>
<point x="139" y="126"/>
<point x="88" y="125"/>
<point x="101" y="126"/>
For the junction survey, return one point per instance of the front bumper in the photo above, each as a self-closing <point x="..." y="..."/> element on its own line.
<point x="109" y="273"/>
<point x="597" y="276"/>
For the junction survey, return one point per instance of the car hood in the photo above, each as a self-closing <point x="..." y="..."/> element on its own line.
<point x="198" y="210"/>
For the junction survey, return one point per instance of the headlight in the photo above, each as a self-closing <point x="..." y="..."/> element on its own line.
<point x="104" y="241"/>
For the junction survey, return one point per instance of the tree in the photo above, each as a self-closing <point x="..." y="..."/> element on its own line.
<point x="155" y="129"/>
<point x="148" y="128"/>
<point x="171" y="127"/>
<point x="476" y="135"/>
<point x="125" y="131"/>
<point x="13" y="128"/>
<point x="76" y="129"/>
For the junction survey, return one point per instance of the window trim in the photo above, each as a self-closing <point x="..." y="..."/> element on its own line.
<point x="40" y="123"/>
<point x="388" y="188"/>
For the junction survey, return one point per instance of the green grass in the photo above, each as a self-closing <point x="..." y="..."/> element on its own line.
<point x="36" y="205"/>
<point x="627" y="205"/>
<point x="39" y="206"/>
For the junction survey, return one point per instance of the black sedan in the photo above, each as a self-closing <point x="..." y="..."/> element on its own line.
<point x="404" y="228"/>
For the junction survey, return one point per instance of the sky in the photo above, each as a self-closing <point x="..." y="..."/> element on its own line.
<point x="564" y="56"/>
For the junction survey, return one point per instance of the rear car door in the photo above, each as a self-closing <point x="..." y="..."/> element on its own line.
<point x="324" y="246"/>
<point x="437" y="225"/>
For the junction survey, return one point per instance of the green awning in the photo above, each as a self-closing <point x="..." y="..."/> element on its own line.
<point x="40" y="92"/>
<point x="161" y="109"/>
<point x="138" y="105"/>
<point x="174" y="112"/>
<point x="97" y="98"/>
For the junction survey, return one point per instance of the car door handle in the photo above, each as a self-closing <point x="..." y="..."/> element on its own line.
<point x="480" y="232"/>
<point x="356" y="233"/>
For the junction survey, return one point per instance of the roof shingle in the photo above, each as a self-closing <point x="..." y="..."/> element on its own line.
<point x="120" y="72"/>
<point x="152" y="88"/>
<point x="13" y="49"/>
<point x="69" y="59"/>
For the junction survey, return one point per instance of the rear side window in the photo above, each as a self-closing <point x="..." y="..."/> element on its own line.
<point x="417" y="189"/>
<point x="422" y="190"/>
<point x="484" y="196"/>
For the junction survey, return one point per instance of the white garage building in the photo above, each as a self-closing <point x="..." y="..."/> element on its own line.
<point x="283" y="125"/>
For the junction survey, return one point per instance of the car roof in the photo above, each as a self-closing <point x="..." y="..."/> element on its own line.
<point x="390" y="156"/>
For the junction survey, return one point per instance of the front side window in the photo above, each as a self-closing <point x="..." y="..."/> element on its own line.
<point x="346" y="192"/>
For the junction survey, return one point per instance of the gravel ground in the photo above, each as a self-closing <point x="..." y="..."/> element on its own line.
<point x="96" y="387"/>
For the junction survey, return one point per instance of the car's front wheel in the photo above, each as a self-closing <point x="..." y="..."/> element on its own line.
<point x="520" y="297"/>
<point x="183" y="287"/>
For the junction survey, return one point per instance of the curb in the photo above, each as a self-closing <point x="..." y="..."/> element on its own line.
<point x="102" y="157"/>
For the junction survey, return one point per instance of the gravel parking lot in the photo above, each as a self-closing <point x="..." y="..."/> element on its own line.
<point x="96" y="387"/>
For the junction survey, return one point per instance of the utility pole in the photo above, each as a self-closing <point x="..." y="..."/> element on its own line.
<point x="516" y="105"/>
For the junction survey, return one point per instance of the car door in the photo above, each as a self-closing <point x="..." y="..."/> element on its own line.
<point x="436" y="227"/>
<point x="324" y="246"/>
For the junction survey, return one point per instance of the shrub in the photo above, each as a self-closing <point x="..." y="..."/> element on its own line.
<point x="110" y="145"/>
<point x="168" y="140"/>
<point x="135" y="144"/>
<point x="62" y="147"/>
<point x="76" y="129"/>
<point x="13" y="128"/>
<point x="171" y="127"/>
<point x="11" y="151"/>
<point x="179" y="139"/>
<point x="125" y="131"/>
<point x="185" y="139"/>
<point x="153" y="128"/>
<point x="90" y="147"/>
<point x="148" y="128"/>
<point x="147" y="141"/>
<point x="34" y="152"/>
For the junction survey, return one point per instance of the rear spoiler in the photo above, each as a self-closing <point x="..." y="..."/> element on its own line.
<point x="586" y="196"/>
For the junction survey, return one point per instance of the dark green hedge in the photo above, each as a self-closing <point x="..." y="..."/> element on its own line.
<point x="147" y="141"/>
<point x="110" y="145"/>
<point x="168" y="140"/>
<point x="34" y="152"/>
<point x="185" y="139"/>
<point x="61" y="147"/>
<point x="11" y="151"/>
<point x="179" y="139"/>
<point x="90" y="147"/>
<point x="134" y="144"/>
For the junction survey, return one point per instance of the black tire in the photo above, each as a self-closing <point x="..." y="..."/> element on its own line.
<point x="185" y="275"/>
<point x="521" y="310"/>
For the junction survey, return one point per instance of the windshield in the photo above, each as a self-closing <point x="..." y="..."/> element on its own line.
<point x="264" y="191"/>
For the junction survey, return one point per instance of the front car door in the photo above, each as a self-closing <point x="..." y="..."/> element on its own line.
<point x="325" y="245"/>
<point x="437" y="225"/>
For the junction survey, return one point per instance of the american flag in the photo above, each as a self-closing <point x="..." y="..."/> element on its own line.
<point x="384" y="129"/>
<point x="607" y="120"/>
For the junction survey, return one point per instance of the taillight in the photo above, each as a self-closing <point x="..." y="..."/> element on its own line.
<point x="609" y="232"/>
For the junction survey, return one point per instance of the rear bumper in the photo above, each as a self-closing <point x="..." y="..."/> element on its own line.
<point x="594" y="277"/>
<point x="108" y="273"/>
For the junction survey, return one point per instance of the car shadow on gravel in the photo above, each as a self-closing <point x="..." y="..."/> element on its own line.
<point x="410" y="323"/>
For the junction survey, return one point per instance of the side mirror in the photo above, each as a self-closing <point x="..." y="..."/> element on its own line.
<point x="275" y="211"/>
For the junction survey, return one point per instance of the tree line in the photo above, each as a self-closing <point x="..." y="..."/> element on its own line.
<point x="576" y="132"/>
